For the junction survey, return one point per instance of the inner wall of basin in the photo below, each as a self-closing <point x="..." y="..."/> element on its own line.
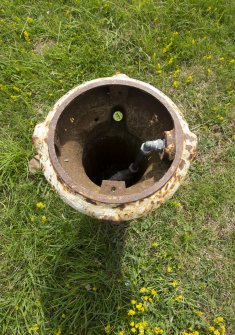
<point x="92" y="145"/>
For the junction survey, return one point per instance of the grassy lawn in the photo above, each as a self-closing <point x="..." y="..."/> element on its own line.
<point x="63" y="273"/>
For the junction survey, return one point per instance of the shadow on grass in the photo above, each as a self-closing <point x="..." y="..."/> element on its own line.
<point x="87" y="290"/>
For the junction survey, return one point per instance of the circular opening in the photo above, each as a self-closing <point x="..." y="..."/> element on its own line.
<point x="113" y="189"/>
<point x="84" y="146"/>
<point x="104" y="157"/>
<point x="118" y="116"/>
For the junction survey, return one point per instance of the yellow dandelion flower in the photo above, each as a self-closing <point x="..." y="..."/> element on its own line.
<point x="209" y="71"/>
<point x="44" y="218"/>
<point x="170" y="61"/>
<point x="33" y="219"/>
<point x="131" y="312"/>
<point x="142" y="309"/>
<point x="57" y="332"/>
<point x="121" y="333"/>
<point x="14" y="97"/>
<point x="219" y="319"/>
<point x="133" y="330"/>
<point x="175" y="33"/>
<point x="216" y="332"/>
<point x="26" y="36"/>
<point x="174" y="283"/>
<point x="193" y="41"/>
<point x="50" y="94"/>
<point x="139" y="306"/>
<point x="94" y="289"/>
<point x="16" y="89"/>
<point x="107" y="329"/>
<point x="199" y="313"/>
<point x="179" y="298"/>
<point x="150" y="300"/>
<point x="176" y="72"/>
<point x="145" y="298"/>
<point x="232" y="61"/>
<point x="221" y="58"/>
<point x="61" y="81"/>
<point x="2" y="87"/>
<point x="133" y="302"/>
<point x="175" y="84"/>
<point x="29" y="20"/>
<point x="34" y="328"/>
<point x="153" y="292"/>
<point x="169" y="269"/>
<point x="189" y="78"/>
<point x="154" y="245"/>
<point x="132" y="323"/>
<point x="40" y="205"/>
<point x="157" y="330"/>
<point x="222" y="327"/>
<point x="143" y="290"/>
<point x="220" y="118"/>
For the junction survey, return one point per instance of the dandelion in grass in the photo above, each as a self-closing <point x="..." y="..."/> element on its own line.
<point x="133" y="302"/>
<point x="131" y="312"/>
<point x="193" y="41"/>
<point x="153" y="292"/>
<point x="174" y="283"/>
<point x="33" y="219"/>
<point x="189" y="78"/>
<point x="199" y="313"/>
<point x="121" y="333"/>
<point x="169" y="269"/>
<point x="26" y="36"/>
<point x="143" y="290"/>
<point x="222" y="329"/>
<point x="34" y="328"/>
<point x="40" y="205"/>
<point x="170" y="61"/>
<point x="13" y="97"/>
<point x="175" y="34"/>
<point x="133" y="330"/>
<point x="108" y="329"/>
<point x="175" y="84"/>
<point x="208" y="71"/>
<point x="219" y="320"/>
<point x="44" y="218"/>
<point x="29" y="20"/>
<point x="232" y="61"/>
<point x="176" y="73"/>
<point x="57" y="332"/>
<point x="157" y="330"/>
<point x="179" y="298"/>
<point x="150" y="300"/>
<point x="154" y="245"/>
<point x="16" y="89"/>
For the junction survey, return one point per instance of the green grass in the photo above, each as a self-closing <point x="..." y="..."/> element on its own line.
<point x="72" y="274"/>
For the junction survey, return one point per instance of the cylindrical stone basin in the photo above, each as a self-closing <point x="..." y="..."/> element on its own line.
<point x="97" y="129"/>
